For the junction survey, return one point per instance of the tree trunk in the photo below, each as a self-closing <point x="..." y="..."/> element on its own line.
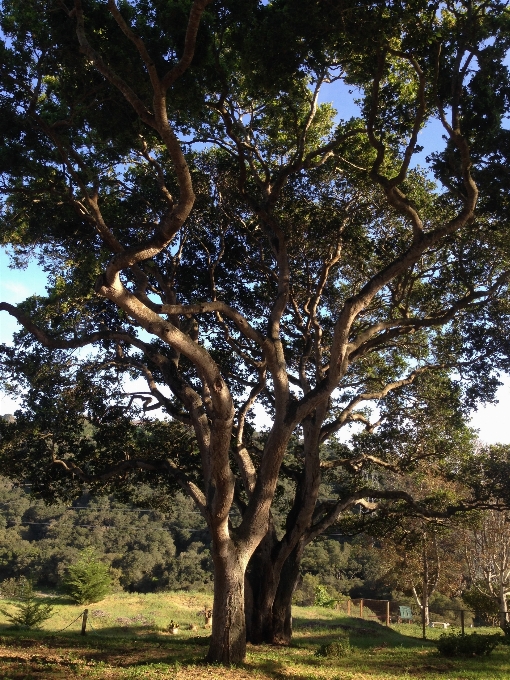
<point x="269" y="595"/>
<point x="261" y="590"/>
<point x="282" y="607"/>
<point x="425" y="586"/>
<point x="228" y="636"/>
<point x="503" y="607"/>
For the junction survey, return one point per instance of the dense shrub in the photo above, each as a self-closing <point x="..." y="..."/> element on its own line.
<point x="448" y="609"/>
<point x="335" y="650"/>
<point x="323" y="598"/>
<point x="456" y="644"/>
<point x="484" y="605"/>
<point x="312" y="592"/>
<point x="88" y="580"/>
<point x="9" y="588"/>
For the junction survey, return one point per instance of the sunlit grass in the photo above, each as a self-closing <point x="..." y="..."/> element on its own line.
<point x="138" y="646"/>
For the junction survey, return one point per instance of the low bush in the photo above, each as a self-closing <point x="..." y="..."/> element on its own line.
<point x="335" y="650"/>
<point x="456" y="644"/>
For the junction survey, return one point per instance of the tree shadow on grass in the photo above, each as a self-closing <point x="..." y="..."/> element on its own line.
<point x="360" y="633"/>
<point x="375" y="650"/>
<point x="109" y="648"/>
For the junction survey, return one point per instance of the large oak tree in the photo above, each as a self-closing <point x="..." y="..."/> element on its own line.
<point x="208" y="225"/>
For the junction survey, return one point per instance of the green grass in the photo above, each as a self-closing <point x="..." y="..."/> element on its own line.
<point x="128" y="613"/>
<point x="139" y="647"/>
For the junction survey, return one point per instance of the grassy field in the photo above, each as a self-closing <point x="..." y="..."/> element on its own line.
<point x="127" y="640"/>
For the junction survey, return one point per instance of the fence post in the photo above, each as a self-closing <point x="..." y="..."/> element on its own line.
<point x="462" y="621"/>
<point x="361" y="608"/>
<point x="423" y="625"/>
<point x="84" y="622"/>
<point x="348" y="607"/>
<point x="387" y="612"/>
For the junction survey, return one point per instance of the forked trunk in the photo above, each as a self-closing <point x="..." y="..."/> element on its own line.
<point x="228" y="636"/>
<point x="269" y="596"/>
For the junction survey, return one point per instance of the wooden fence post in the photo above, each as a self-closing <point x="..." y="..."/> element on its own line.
<point x="423" y="625"/>
<point x="462" y="621"/>
<point x="84" y="622"/>
<point x="348" y="607"/>
<point x="361" y="608"/>
<point x="387" y="612"/>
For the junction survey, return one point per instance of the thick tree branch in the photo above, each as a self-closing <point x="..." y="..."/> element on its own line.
<point x="131" y="465"/>
<point x="59" y="343"/>
<point x="346" y="415"/>
<point x="332" y="516"/>
<point x="207" y="307"/>
<point x="177" y="71"/>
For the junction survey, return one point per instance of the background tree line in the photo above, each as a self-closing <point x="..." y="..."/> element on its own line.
<point x="147" y="550"/>
<point x="150" y="549"/>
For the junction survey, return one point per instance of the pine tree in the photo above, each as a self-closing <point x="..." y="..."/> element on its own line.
<point x="88" y="580"/>
<point x="30" y="613"/>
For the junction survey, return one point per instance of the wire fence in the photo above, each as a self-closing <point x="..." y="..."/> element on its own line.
<point x="84" y="616"/>
<point x="390" y="612"/>
<point x="86" y="625"/>
<point x="80" y="616"/>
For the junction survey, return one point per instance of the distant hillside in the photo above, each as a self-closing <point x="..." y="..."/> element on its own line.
<point x="147" y="549"/>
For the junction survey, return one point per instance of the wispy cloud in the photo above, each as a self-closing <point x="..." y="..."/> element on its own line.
<point x="16" y="290"/>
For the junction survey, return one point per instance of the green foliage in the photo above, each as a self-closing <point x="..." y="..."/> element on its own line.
<point x="9" y="588"/>
<point x="304" y="595"/>
<point x="448" y="608"/>
<point x="160" y="543"/>
<point x="340" y="269"/>
<point x="337" y="565"/>
<point x="323" y="598"/>
<point x="88" y="580"/>
<point x="456" y="644"/>
<point x="335" y="650"/>
<point x="484" y="605"/>
<point x="30" y="612"/>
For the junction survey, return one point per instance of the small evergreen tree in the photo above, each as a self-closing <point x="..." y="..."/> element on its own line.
<point x="87" y="580"/>
<point x="30" y="613"/>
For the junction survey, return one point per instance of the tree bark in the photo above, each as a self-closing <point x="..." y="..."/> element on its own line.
<point x="228" y="635"/>
<point x="282" y="607"/>
<point x="262" y="583"/>
<point x="269" y="595"/>
<point x="503" y="606"/>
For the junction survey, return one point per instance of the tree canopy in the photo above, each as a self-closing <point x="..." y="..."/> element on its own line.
<point x="210" y="225"/>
